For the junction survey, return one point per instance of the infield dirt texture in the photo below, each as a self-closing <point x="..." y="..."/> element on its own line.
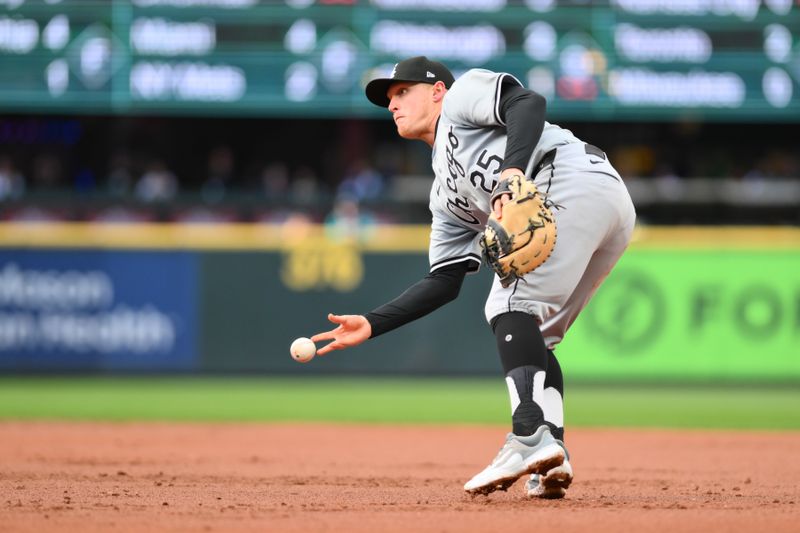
<point x="88" y="476"/>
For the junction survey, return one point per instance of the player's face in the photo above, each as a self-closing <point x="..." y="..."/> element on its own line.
<point x="411" y="105"/>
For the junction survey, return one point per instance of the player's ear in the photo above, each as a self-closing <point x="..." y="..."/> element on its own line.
<point x="439" y="90"/>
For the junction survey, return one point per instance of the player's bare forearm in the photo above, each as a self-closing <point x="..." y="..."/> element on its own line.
<point x="352" y="330"/>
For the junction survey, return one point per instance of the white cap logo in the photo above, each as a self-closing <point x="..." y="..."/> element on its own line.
<point x="394" y="71"/>
<point x="430" y="74"/>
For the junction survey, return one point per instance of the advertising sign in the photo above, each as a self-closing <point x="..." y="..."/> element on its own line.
<point x="62" y="310"/>
<point x="692" y="313"/>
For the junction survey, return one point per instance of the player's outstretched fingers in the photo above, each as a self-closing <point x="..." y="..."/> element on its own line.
<point x="330" y="335"/>
<point x="337" y="319"/>
<point x="328" y="348"/>
<point x="352" y="331"/>
<point x="333" y="345"/>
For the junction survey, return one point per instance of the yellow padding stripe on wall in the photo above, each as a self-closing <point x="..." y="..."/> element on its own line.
<point x="717" y="237"/>
<point x="387" y="239"/>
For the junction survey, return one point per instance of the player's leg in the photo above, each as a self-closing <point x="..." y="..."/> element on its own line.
<point x="530" y="447"/>
<point x="524" y="359"/>
<point x="594" y="223"/>
<point x="533" y="375"/>
<point x="555" y="482"/>
<point x="515" y="313"/>
<point x="595" y="220"/>
<point x="599" y="266"/>
<point x="554" y="396"/>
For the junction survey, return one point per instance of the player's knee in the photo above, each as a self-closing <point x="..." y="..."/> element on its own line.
<point x="519" y="341"/>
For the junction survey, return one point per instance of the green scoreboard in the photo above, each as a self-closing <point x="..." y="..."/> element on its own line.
<point x="727" y="60"/>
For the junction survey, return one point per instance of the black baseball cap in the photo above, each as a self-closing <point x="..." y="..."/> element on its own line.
<point x="415" y="69"/>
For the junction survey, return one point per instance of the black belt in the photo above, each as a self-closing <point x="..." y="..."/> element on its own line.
<point x="550" y="156"/>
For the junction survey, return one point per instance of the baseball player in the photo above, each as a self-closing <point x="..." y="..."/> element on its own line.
<point x="483" y="129"/>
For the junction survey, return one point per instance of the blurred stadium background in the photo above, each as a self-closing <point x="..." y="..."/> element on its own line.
<point x="188" y="185"/>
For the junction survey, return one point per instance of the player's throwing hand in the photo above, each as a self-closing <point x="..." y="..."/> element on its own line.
<point x="352" y="331"/>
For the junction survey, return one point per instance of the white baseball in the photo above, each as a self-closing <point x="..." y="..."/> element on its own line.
<point x="303" y="350"/>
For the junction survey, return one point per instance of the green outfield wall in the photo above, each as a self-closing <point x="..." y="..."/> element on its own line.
<point x="716" y="304"/>
<point x="692" y="313"/>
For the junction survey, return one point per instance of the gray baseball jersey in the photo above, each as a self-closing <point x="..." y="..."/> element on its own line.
<point x="467" y="154"/>
<point x="594" y="210"/>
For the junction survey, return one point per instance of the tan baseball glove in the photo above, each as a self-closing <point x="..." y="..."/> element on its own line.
<point x="524" y="236"/>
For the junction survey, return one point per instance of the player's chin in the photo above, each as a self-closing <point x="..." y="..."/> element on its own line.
<point x="405" y="133"/>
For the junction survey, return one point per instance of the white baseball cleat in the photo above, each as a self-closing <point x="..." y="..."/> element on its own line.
<point x="552" y="485"/>
<point x="535" y="454"/>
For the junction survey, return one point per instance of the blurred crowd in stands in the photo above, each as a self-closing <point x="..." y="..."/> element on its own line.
<point x="357" y="171"/>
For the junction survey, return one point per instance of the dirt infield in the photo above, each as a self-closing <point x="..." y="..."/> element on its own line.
<point x="232" y="477"/>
